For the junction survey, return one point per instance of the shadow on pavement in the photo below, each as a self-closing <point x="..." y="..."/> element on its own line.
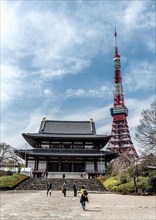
<point x="92" y="210"/>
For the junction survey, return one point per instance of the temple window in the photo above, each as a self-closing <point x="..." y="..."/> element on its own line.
<point x="88" y="145"/>
<point x="55" y="145"/>
<point x="78" y="145"/>
<point x="67" y="146"/>
<point x="45" y="146"/>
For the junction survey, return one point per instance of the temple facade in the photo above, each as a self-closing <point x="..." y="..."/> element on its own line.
<point x="67" y="146"/>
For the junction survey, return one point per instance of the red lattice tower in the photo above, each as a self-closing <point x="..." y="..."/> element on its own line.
<point x="120" y="141"/>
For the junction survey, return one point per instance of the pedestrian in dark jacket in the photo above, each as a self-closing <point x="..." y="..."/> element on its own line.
<point x="64" y="188"/>
<point x="75" y="189"/>
<point x="49" y="187"/>
<point x="84" y="197"/>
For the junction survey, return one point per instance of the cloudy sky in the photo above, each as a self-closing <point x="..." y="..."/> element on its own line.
<point x="57" y="62"/>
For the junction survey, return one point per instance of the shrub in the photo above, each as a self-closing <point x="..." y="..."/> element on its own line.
<point x="123" y="178"/>
<point x="10" y="173"/>
<point x="110" y="183"/>
<point x="102" y="179"/>
<point x="114" y="188"/>
<point x="152" y="173"/>
<point x="143" y="185"/>
<point x="3" y="173"/>
<point x="124" y="184"/>
<point x="152" y="183"/>
<point x="126" y="188"/>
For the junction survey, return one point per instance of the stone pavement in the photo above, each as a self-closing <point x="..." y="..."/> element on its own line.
<point x="34" y="205"/>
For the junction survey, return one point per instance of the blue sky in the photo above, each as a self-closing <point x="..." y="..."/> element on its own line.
<point x="57" y="62"/>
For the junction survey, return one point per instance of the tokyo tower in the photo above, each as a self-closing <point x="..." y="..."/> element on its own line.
<point x="120" y="141"/>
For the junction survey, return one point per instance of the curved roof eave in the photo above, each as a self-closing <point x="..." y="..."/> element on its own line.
<point x="32" y="137"/>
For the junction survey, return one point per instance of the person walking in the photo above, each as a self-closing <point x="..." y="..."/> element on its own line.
<point x="84" y="197"/>
<point x="64" y="188"/>
<point x="49" y="187"/>
<point x="75" y="189"/>
<point x="63" y="176"/>
<point x="46" y="173"/>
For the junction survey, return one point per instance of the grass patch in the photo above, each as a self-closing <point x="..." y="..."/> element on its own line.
<point x="9" y="182"/>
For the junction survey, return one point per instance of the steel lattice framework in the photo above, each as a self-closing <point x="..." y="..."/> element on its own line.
<point x="120" y="141"/>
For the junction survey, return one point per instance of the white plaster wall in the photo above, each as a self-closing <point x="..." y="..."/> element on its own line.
<point x="31" y="164"/>
<point x="42" y="165"/>
<point x="89" y="166"/>
<point x="101" y="166"/>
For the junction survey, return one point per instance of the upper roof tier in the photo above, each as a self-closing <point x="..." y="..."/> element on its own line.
<point x="67" y="127"/>
<point x="65" y="131"/>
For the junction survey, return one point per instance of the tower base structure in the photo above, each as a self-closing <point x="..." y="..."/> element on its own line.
<point x="120" y="141"/>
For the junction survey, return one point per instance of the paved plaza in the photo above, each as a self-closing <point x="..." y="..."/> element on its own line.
<point x="34" y="205"/>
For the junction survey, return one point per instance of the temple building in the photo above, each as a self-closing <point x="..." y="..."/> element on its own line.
<point x="67" y="146"/>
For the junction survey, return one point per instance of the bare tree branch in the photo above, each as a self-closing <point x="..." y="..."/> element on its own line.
<point x="7" y="153"/>
<point x="145" y="132"/>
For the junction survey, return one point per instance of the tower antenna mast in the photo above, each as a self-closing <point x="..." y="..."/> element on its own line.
<point x="116" y="45"/>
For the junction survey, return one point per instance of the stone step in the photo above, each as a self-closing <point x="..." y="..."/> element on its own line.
<point x="68" y="175"/>
<point x="41" y="184"/>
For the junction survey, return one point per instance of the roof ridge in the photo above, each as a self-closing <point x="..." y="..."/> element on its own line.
<point x="66" y="121"/>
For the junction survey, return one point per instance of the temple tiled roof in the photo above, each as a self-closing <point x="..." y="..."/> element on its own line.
<point x="67" y="127"/>
<point x="65" y="130"/>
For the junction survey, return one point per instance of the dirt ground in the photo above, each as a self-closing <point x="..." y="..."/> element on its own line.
<point x="34" y="205"/>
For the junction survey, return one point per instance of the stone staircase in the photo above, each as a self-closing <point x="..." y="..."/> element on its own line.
<point x="41" y="184"/>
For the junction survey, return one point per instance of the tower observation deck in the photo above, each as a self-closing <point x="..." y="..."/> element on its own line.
<point x="120" y="141"/>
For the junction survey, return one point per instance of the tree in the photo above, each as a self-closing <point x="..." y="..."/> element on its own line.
<point x="145" y="132"/>
<point x="8" y="155"/>
<point x="124" y="164"/>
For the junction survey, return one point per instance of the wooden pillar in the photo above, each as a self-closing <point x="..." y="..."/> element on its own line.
<point x="47" y="164"/>
<point x="59" y="160"/>
<point x="83" y="145"/>
<point x="72" y="168"/>
<point x="95" y="165"/>
<point x="105" y="167"/>
<point x="84" y="160"/>
<point x="26" y="163"/>
<point x="35" y="164"/>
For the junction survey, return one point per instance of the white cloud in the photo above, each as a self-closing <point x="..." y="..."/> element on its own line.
<point x="102" y="92"/>
<point x="11" y="86"/>
<point x="140" y="76"/>
<point x="134" y="15"/>
<point x="61" y="66"/>
<point x="47" y="93"/>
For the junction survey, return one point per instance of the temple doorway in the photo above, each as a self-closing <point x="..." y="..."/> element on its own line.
<point x="66" y="167"/>
<point x="53" y="166"/>
<point x="78" y="167"/>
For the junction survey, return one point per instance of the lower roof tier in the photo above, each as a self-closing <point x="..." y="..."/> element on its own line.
<point x="49" y="153"/>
